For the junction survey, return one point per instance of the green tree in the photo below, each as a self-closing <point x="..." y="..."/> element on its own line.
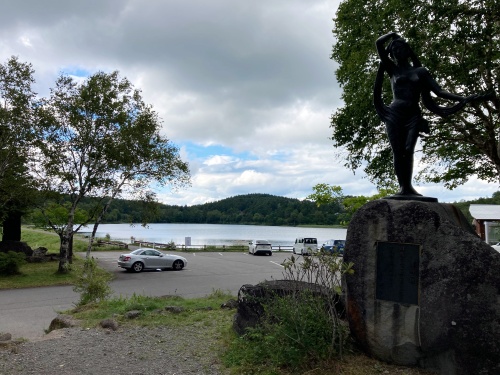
<point x="101" y="140"/>
<point x="326" y="194"/>
<point x="459" y="42"/>
<point x="16" y="135"/>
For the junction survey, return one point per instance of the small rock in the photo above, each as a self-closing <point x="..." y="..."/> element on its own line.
<point x="109" y="323"/>
<point x="62" y="321"/>
<point x="132" y="314"/>
<point x="5" y="337"/>
<point x="174" y="309"/>
<point x="231" y="304"/>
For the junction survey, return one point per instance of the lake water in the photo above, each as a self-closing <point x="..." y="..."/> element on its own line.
<point x="216" y="234"/>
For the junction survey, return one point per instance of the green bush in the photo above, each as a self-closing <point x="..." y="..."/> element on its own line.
<point x="11" y="262"/>
<point x="300" y="330"/>
<point x="92" y="283"/>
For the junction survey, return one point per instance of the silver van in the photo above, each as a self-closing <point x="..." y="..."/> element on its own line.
<point x="305" y="245"/>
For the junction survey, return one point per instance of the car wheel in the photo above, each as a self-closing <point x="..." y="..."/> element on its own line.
<point x="293" y="251"/>
<point x="271" y="253"/>
<point x="178" y="265"/>
<point x="137" y="267"/>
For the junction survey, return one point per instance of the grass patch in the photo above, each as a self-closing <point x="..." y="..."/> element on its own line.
<point x="44" y="274"/>
<point x="204" y="311"/>
<point x="40" y="274"/>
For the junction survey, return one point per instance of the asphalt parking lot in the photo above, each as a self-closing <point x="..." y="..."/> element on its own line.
<point x="205" y="272"/>
<point x="27" y="312"/>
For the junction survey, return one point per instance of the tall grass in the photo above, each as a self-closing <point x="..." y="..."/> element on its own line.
<point x="298" y="330"/>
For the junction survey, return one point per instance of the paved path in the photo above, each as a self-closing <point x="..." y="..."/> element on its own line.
<point x="28" y="312"/>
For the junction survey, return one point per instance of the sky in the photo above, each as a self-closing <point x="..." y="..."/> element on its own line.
<point x="245" y="89"/>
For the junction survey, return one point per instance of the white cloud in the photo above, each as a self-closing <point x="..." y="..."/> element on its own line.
<point x="252" y="78"/>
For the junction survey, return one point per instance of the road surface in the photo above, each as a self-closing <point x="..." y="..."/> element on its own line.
<point x="28" y="312"/>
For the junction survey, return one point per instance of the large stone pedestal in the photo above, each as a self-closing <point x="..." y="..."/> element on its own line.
<point x="425" y="290"/>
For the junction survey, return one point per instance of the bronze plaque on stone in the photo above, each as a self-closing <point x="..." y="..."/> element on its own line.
<point x="398" y="272"/>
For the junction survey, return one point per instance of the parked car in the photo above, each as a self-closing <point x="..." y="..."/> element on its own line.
<point x="143" y="259"/>
<point x="496" y="247"/>
<point x="334" y="246"/>
<point x="305" y="245"/>
<point x="260" y="247"/>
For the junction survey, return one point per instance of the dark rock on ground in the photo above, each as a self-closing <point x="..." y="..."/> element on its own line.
<point x="16" y="246"/>
<point x="63" y="321"/>
<point x="5" y="336"/>
<point x="230" y="304"/>
<point x="251" y="298"/>
<point x="39" y="255"/>
<point x="132" y="314"/>
<point x="109" y="323"/>
<point x="174" y="309"/>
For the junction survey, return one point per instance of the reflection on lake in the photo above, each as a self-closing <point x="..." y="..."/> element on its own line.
<point x="215" y="234"/>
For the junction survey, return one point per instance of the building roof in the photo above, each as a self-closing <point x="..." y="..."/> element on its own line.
<point x="485" y="211"/>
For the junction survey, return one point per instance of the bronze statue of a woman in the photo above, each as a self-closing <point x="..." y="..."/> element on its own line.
<point x="410" y="81"/>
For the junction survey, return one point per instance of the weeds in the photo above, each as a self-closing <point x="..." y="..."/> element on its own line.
<point x="92" y="283"/>
<point x="300" y="329"/>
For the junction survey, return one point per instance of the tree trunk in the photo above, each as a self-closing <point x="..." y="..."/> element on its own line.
<point x="12" y="227"/>
<point x="66" y="237"/>
<point x="91" y="239"/>
<point x="70" y="250"/>
<point x="101" y="215"/>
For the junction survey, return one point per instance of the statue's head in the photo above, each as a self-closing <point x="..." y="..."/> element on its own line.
<point x="399" y="49"/>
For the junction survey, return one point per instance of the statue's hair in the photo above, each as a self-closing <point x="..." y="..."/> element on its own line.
<point x="393" y="43"/>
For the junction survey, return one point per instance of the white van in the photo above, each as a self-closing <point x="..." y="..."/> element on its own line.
<point x="305" y="245"/>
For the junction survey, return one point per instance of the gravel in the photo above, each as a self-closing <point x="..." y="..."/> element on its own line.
<point x="130" y="350"/>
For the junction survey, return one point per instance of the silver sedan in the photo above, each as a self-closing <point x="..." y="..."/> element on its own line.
<point x="142" y="259"/>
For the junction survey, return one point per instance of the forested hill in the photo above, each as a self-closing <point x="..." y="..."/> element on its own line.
<point x="261" y="209"/>
<point x="258" y="209"/>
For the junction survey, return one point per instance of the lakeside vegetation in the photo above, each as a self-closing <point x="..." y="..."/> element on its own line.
<point x="249" y="209"/>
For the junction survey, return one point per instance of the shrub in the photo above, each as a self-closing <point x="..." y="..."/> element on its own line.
<point x="170" y="246"/>
<point x="92" y="283"/>
<point x="11" y="262"/>
<point x="301" y="329"/>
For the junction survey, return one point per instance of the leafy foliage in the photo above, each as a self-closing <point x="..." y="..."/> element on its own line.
<point x="92" y="283"/>
<point x="459" y="42"/>
<point x="10" y="262"/>
<point x="260" y="209"/>
<point x="99" y="139"/>
<point x="324" y="194"/>
<point x="299" y="330"/>
<point x="16" y="134"/>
